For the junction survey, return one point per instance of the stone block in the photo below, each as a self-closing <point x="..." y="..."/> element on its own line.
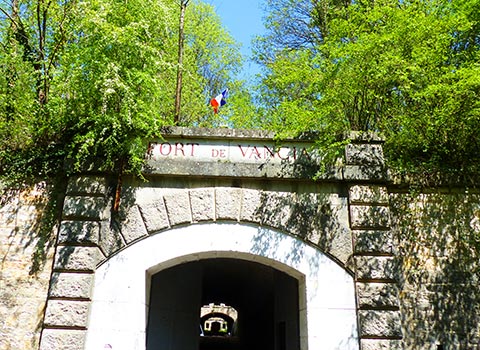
<point x="93" y="208"/>
<point x="338" y="243"/>
<point x="133" y="226"/>
<point x="71" y="285"/>
<point x="369" y="216"/>
<point x="178" y="208"/>
<point x="377" y="295"/>
<point x="77" y="258"/>
<point x="87" y="185"/>
<point x="110" y="239"/>
<point x="227" y="203"/>
<point x="372" y="241"/>
<point x="380" y="324"/>
<point x="368" y="194"/>
<point x="278" y="210"/>
<point x="365" y="173"/>
<point x="364" y="154"/>
<point x="370" y="268"/>
<point x="251" y="205"/>
<point x="381" y="344"/>
<point x="66" y="313"/>
<point x="79" y="232"/>
<point x="203" y="205"/>
<point x="56" y="339"/>
<point x="154" y="215"/>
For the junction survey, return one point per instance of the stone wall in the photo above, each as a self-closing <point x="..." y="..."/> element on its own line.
<point x="26" y="253"/>
<point x="415" y="257"/>
<point x="437" y="236"/>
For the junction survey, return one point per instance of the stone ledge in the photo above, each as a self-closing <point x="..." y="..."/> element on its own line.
<point x="79" y="232"/>
<point x="93" y="208"/>
<point x="77" y="258"/>
<point x="373" y="241"/>
<point x="380" y="344"/>
<point x="66" y="313"/>
<point x="71" y="285"/>
<point x="368" y="194"/>
<point x="369" y="217"/>
<point x="380" y="324"/>
<point x="92" y="185"/>
<point x="377" y="295"/>
<point x="62" y="339"/>
<point x="375" y="268"/>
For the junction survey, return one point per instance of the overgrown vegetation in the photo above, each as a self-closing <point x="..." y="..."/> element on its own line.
<point x="94" y="79"/>
<point x="406" y="69"/>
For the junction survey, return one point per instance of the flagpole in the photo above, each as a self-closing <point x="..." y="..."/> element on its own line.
<point x="181" y="39"/>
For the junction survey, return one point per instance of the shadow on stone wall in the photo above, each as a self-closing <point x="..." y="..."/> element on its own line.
<point x="30" y="214"/>
<point x="439" y="250"/>
<point x="312" y="217"/>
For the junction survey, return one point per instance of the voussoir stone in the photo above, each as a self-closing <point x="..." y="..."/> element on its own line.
<point x="227" y="203"/>
<point x="133" y="226"/>
<point x="251" y="205"/>
<point x="154" y="215"/>
<point x="203" y="205"/>
<point x="178" y="208"/>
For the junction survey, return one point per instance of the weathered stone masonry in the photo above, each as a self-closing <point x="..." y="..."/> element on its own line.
<point x="316" y="213"/>
<point x="346" y="214"/>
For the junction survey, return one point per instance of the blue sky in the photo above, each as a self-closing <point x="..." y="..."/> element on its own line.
<point x="243" y="19"/>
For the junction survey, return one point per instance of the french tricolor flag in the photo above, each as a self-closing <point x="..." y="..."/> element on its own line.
<point x="219" y="101"/>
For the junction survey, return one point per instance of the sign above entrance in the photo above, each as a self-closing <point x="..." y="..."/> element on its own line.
<point x="229" y="151"/>
<point x="230" y="154"/>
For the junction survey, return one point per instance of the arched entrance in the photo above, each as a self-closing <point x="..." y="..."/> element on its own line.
<point x="320" y="293"/>
<point x="265" y="301"/>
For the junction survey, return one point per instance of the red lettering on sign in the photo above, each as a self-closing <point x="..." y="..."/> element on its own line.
<point x="193" y="147"/>
<point x="286" y="156"/>
<point x="268" y="153"/>
<point x="165" y="148"/>
<point x="244" y="153"/>
<point x="255" y="153"/>
<point x="218" y="153"/>
<point x="179" y="149"/>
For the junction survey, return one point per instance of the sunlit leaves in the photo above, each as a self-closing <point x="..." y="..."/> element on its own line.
<point x="408" y="70"/>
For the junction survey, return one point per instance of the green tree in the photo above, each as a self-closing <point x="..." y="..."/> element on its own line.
<point x="407" y="69"/>
<point x="93" y="79"/>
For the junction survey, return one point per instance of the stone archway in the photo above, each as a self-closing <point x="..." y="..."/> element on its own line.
<point x="327" y="307"/>
<point x="344" y="215"/>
